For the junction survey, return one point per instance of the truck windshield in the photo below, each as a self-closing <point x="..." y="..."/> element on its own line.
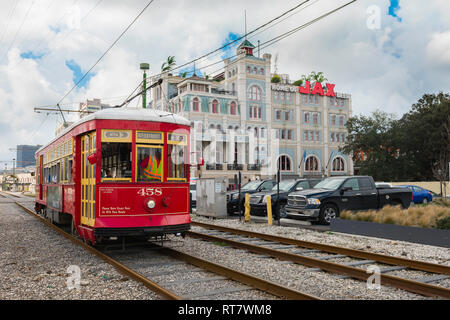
<point x="330" y="184"/>
<point x="252" y="185"/>
<point x="285" y="185"/>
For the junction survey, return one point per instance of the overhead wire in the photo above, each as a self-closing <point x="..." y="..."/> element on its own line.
<point x="284" y="35"/>
<point x="19" y="29"/>
<point x="11" y="13"/>
<point x="109" y="48"/>
<point x="229" y="43"/>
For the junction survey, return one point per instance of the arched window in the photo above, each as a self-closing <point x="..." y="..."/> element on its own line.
<point x="215" y="106"/>
<point x="219" y="128"/>
<point x="233" y="108"/>
<point x="284" y="163"/>
<point x="261" y="71"/>
<point x="312" y="164"/>
<point x="256" y="132"/>
<point x="254" y="93"/>
<point x="338" y="164"/>
<point x="195" y="104"/>
<point x="255" y="70"/>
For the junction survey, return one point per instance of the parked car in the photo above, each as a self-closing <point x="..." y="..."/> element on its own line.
<point x="258" y="204"/>
<point x="250" y="188"/>
<point x="332" y="195"/>
<point x="420" y="195"/>
<point x="193" y="188"/>
<point x="381" y="185"/>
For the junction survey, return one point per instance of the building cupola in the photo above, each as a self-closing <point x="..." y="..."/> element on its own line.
<point x="246" y="47"/>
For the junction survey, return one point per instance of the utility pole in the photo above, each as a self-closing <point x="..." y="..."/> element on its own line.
<point x="144" y="67"/>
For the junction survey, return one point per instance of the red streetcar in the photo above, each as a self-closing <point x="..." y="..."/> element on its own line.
<point x="116" y="173"/>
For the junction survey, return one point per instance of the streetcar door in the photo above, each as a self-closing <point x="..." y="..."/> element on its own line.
<point x="88" y="147"/>
<point x="40" y="175"/>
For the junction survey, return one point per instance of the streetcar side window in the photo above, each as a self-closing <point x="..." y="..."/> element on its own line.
<point x="116" y="161"/>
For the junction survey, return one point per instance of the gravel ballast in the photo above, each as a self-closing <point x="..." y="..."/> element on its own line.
<point x="34" y="261"/>
<point x="321" y="284"/>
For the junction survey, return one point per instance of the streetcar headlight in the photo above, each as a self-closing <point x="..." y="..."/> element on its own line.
<point x="151" y="204"/>
<point x="313" y="201"/>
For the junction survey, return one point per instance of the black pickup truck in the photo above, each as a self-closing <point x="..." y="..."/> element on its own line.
<point x="332" y="195"/>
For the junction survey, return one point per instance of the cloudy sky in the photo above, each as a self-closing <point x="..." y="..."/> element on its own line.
<point x="386" y="54"/>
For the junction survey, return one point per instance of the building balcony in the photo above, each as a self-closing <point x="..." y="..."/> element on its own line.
<point x="254" y="167"/>
<point x="215" y="167"/>
<point x="235" y="167"/>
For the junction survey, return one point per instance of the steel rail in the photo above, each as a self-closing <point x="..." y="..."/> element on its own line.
<point x="261" y="284"/>
<point x="253" y="281"/>
<point x="396" y="261"/>
<point x="361" y="274"/>
<point x="120" y="267"/>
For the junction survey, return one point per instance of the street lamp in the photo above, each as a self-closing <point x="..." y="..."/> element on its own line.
<point x="144" y="67"/>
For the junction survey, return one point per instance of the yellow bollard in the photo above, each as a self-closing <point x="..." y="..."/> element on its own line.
<point x="247" y="207"/>
<point x="269" y="209"/>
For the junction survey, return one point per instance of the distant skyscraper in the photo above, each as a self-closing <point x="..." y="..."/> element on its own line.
<point x="25" y="155"/>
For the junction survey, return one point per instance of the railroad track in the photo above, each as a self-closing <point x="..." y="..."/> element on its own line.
<point x="297" y="251"/>
<point x="234" y="280"/>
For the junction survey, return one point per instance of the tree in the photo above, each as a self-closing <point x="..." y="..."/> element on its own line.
<point x="276" y="79"/>
<point x="169" y="64"/>
<point x="298" y="83"/>
<point x="425" y="135"/>
<point x="415" y="147"/>
<point x="375" y="137"/>
<point x="317" y="77"/>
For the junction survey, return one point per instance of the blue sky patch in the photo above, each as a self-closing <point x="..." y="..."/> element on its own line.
<point x="78" y="73"/>
<point x="55" y="29"/>
<point x="190" y="72"/>
<point x="31" y="55"/>
<point x="393" y="8"/>
<point x="230" y="50"/>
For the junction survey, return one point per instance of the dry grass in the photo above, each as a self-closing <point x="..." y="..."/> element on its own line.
<point x="417" y="216"/>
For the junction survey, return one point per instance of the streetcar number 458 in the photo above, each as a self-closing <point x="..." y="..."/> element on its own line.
<point x="150" y="192"/>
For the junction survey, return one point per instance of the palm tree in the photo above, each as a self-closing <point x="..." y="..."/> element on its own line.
<point x="318" y="77"/>
<point x="169" y="64"/>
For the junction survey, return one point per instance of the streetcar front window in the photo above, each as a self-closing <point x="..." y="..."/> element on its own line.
<point x="116" y="161"/>
<point x="149" y="163"/>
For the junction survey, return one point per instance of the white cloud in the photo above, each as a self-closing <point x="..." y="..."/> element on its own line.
<point x="438" y="49"/>
<point x="390" y="68"/>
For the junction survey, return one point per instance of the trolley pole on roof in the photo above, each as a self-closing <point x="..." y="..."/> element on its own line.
<point x="144" y="67"/>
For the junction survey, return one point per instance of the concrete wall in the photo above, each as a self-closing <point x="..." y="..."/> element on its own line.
<point x="429" y="185"/>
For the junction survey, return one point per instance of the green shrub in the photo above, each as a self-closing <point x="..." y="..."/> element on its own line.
<point x="443" y="223"/>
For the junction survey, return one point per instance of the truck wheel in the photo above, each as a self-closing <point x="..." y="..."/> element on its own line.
<point x="327" y="213"/>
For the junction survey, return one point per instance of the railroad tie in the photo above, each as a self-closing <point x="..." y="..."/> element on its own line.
<point x="349" y="264"/>
<point x="433" y="278"/>
<point x="216" y="292"/>
<point x="383" y="270"/>
<point x="186" y="281"/>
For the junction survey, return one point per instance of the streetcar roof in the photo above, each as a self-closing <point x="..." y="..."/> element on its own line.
<point x="130" y="114"/>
